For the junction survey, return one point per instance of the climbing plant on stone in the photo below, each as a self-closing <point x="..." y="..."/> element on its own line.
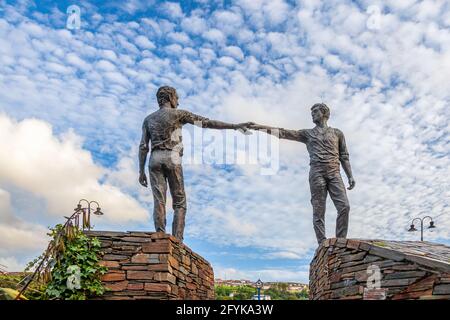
<point x="70" y="266"/>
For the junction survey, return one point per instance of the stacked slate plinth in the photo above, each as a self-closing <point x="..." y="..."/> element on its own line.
<point x="152" y="265"/>
<point x="408" y="270"/>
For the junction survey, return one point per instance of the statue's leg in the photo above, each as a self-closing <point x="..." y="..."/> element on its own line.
<point x="176" y="186"/>
<point x="159" y="190"/>
<point x="318" y="188"/>
<point x="336" y="188"/>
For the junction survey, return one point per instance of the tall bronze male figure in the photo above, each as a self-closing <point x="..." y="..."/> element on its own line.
<point x="163" y="129"/>
<point x="326" y="147"/>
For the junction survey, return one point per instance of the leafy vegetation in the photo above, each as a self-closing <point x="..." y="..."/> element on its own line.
<point x="278" y="291"/>
<point x="14" y="281"/>
<point x="224" y="292"/>
<point x="70" y="255"/>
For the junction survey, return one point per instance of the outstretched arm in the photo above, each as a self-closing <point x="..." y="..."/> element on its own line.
<point x="270" y="130"/>
<point x="281" y="133"/>
<point x="192" y="118"/>
<point x="215" y="124"/>
<point x="143" y="151"/>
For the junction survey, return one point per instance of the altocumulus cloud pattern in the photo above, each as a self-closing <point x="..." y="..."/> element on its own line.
<point x="72" y="103"/>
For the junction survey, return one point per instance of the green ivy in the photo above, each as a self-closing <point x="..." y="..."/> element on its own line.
<point x="71" y="247"/>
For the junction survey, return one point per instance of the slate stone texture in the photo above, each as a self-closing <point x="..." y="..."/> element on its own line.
<point x="152" y="265"/>
<point x="407" y="270"/>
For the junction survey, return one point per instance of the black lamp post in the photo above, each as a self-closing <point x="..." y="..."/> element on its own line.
<point x="413" y="228"/>
<point x="259" y="285"/>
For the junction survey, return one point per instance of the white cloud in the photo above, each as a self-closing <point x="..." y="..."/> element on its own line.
<point x="333" y="61"/>
<point x="59" y="170"/>
<point x="144" y="42"/>
<point x="105" y="65"/>
<point x="234" y="52"/>
<point x="77" y="62"/>
<point x="277" y="11"/>
<point x="228" y="21"/>
<point x="11" y="264"/>
<point x="227" y="61"/>
<point x="173" y="9"/>
<point x="214" y="35"/>
<point x="117" y="77"/>
<point x="263" y="61"/>
<point x="109" y="54"/>
<point x="194" y="25"/>
<point x="179" y="37"/>
<point x="18" y="236"/>
<point x="133" y="6"/>
<point x="175" y="49"/>
<point x="268" y="275"/>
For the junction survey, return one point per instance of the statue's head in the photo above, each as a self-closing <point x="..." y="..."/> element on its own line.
<point x="167" y="94"/>
<point x="320" y="111"/>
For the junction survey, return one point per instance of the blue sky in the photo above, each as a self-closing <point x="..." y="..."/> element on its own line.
<point x="72" y="104"/>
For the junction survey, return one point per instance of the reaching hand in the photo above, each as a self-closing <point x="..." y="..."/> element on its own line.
<point x="244" y="127"/>
<point x="351" y="183"/>
<point x="255" y="126"/>
<point x="143" y="179"/>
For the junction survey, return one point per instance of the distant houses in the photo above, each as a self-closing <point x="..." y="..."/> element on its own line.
<point x="234" y="283"/>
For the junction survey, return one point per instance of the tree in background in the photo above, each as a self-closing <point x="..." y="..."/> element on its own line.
<point x="224" y="292"/>
<point x="278" y="291"/>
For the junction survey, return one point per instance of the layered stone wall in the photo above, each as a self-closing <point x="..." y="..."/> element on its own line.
<point x="150" y="265"/>
<point x="341" y="269"/>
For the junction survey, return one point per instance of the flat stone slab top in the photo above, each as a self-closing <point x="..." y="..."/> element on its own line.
<point x="344" y="269"/>
<point x="428" y="253"/>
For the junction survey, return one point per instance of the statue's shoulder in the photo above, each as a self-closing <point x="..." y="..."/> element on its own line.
<point x="309" y="131"/>
<point x="151" y="116"/>
<point x="148" y="117"/>
<point x="337" y="131"/>
<point x="173" y="111"/>
<point x="156" y="113"/>
<point x="181" y="111"/>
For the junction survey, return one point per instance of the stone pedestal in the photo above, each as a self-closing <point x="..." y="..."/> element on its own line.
<point x="152" y="265"/>
<point x="380" y="269"/>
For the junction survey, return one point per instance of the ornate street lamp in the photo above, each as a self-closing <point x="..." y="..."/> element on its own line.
<point x="259" y="285"/>
<point x="86" y="211"/>
<point x="413" y="228"/>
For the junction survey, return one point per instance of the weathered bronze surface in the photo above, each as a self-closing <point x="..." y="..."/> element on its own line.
<point x="162" y="129"/>
<point x="327" y="150"/>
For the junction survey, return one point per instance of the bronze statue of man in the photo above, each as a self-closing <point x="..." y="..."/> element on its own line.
<point x="163" y="129"/>
<point x="326" y="147"/>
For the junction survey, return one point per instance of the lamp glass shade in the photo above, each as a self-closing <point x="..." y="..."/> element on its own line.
<point x="259" y="283"/>
<point x="412" y="228"/>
